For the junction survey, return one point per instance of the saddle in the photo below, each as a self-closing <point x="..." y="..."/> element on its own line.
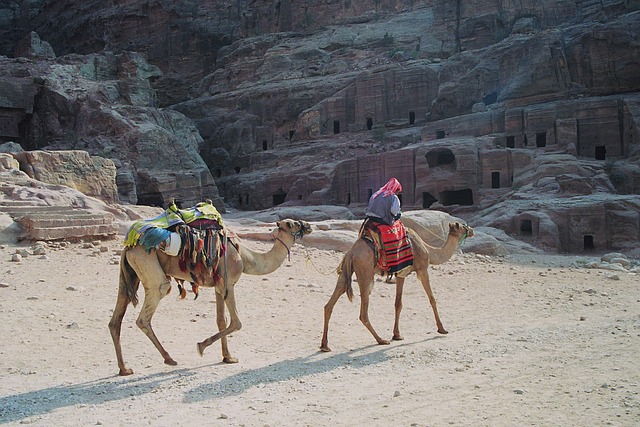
<point x="391" y="245"/>
<point x="195" y="235"/>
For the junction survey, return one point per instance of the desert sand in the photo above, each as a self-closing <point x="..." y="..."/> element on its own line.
<point x="534" y="339"/>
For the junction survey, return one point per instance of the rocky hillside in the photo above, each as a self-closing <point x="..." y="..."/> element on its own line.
<point x="522" y="116"/>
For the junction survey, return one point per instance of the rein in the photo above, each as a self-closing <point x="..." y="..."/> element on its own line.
<point x="285" y="245"/>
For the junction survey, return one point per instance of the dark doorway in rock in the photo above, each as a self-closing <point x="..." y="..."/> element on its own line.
<point x="495" y="179"/>
<point x="264" y="145"/>
<point x="588" y="243"/>
<point x="541" y="139"/>
<point x="427" y="200"/>
<point x="291" y="133"/>
<point x="525" y="141"/>
<point x="440" y="157"/>
<point x="151" y="199"/>
<point x="369" y="123"/>
<point x="601" y="152"/>
<point x="490" y="98"/>
<point x="412" y="117"/>
<point x="279" y="198"/>
<point x="526" y="228"/>
<point x="348" y="199"/>
<point x="239" y="200"/>
<point x="336" y="126"/>
<point x="511" y="141"/>
<point x="440" y="134"/>
<point x="457" y="197"/>
<point x="237" y="169"/>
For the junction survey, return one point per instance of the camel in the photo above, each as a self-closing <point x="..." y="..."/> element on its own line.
<point x="361" y="260"/>
<point x="155" y="270"/>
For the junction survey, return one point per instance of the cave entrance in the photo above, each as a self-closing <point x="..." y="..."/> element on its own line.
<point x="440" y="157"/>
<point x="427" y="200"/>
<point x="457" y="197"/>
<point x="526" y="227"/>
<point x="279" y="198"/>
<point x="151" y="199"/>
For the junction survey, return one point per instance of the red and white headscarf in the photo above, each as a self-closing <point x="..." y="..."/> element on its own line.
<point x="393" y="186"/>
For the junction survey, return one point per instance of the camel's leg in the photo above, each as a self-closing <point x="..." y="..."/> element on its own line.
<point x="115" y="327"/>
<point x="398" y="307"/>
<point x="365" y="293"/>
<point x="423" y="275"/>
<point x="328" y="309"/>
<point x="221" y="320"/>
<point x="152" y="296"/>
<point x="235" y="324"/>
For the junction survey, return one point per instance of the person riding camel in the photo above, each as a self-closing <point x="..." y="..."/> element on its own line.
<point x="385" y="232"/>
<point x="384" y="204"/>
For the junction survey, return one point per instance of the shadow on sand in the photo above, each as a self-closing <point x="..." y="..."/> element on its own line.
<point x="297" y="368"/>
<point x="38" y="402"/>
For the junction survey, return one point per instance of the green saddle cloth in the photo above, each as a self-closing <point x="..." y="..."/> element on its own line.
<point x="156" y="227"/>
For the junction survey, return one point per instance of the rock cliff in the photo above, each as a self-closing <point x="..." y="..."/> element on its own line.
<point x="523" y="115"/>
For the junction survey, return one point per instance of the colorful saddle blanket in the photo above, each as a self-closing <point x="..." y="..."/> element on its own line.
<point x="198" y="232"/>
<point x="393" y="247"/>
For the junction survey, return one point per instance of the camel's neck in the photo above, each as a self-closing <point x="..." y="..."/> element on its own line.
<point x="257" y="263"/>
<point x="444" y="253"/>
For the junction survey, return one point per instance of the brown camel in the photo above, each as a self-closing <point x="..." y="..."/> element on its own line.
<point x="360" y="259"/>
<point x="155" y="269"/>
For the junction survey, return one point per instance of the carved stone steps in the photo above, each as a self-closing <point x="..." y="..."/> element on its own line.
<point x="43" y="222"/>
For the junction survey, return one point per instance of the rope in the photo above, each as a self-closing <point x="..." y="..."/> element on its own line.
<point x="309" y="260"/>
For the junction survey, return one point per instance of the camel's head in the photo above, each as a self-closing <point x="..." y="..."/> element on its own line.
<point x="296" y="228"/>
<point x="460" y="230"/>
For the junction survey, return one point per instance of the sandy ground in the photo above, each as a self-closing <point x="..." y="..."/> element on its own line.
<point x="533" y="341"/>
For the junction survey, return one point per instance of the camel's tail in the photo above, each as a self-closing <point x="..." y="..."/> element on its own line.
<point x="129" y="280"/>
<point x="345" y="272"/>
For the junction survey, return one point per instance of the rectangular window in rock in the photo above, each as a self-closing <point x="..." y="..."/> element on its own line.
<point x="495" y="179"/>
<point x="601" y="152"/>
<point x="336" y="126"/>
<point x="541" y="139"/>
<point x="588" y="243"/>
<point x="511" y="141"/>
<point x="440" y="134"/>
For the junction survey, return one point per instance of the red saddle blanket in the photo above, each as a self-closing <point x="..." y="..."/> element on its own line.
<point x="393" y="246"/>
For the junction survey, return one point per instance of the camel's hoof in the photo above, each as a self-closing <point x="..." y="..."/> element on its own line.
<point x="443" y="331"/>
<point x="125" y="372"/>
<point x="201" y="349"/>
<point x="229" y="360"/>
<point x="169" y="361"/>
<point x="397" y="338"/>
<point x="325" y="349"/>
<point x="384" y="342"/>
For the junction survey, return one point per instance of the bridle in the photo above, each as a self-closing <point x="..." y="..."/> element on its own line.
<point x="296" y="235"/>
